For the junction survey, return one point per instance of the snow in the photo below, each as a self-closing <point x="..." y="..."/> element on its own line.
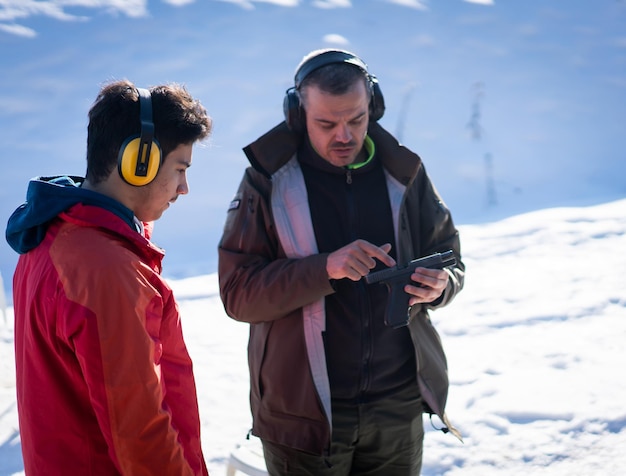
<point x="535" y="346"/>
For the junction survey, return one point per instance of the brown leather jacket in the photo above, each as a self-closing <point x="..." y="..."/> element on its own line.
<point x="272" y="276"/>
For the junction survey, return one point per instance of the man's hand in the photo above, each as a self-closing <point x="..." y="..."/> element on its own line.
<point x="432" y="282"/>
<point x="356" y="259"/>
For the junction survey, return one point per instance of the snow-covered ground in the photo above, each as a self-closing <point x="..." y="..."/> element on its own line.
<point x="535" y="345"/>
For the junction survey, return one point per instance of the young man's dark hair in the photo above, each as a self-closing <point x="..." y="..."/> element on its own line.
<point x="178" y="119"/>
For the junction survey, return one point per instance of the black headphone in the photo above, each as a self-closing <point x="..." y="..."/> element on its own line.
<point x="139" y="158"/>
<point x="292" y="106"/>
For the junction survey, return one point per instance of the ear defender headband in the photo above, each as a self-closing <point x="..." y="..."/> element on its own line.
<point x="139" y="158"/>
<point x="292" y="107"/>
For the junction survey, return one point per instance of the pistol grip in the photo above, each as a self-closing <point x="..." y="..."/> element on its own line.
<point x="397" y="311"/>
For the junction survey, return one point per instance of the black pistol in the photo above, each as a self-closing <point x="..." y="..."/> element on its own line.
<point x="396" y="277"/>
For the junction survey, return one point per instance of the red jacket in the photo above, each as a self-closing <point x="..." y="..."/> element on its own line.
<point x="104" y="380"/>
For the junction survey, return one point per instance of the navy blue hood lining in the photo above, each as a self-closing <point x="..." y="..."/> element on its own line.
<point x="46" y="198"/>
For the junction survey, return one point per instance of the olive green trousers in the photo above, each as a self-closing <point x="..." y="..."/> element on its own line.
<point x="381" y="438"/>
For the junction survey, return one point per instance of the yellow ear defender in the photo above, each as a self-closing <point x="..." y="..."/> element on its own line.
<point x="139" y="158"/>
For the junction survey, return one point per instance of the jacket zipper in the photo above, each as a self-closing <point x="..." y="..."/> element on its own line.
<point x="366" y="324"/>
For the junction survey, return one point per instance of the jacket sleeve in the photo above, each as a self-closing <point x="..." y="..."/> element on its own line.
<point x="437" y="233"/>
<point x="114" y="322"/>
<point x="257" y="282"/>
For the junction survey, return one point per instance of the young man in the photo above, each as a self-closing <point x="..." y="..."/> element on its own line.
<point x="329" y="197"/>
<point x="104" y="380"/>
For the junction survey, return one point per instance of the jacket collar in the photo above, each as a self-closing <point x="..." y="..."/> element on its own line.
<point x="276" y="147"/>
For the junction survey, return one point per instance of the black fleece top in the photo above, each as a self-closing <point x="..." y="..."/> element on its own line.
<point x="366" y="360"/>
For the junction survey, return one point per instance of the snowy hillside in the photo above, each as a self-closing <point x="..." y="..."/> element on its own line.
<point x="535" y="345"/>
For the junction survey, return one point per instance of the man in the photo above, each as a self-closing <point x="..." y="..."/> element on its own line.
<point x="329" y="197"/>
<point x="104" y="380"/>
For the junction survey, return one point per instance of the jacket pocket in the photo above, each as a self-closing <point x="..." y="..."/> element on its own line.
<point x="256" y="356"/>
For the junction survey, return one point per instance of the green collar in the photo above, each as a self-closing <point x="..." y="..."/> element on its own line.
<point x="370" y="148"/>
